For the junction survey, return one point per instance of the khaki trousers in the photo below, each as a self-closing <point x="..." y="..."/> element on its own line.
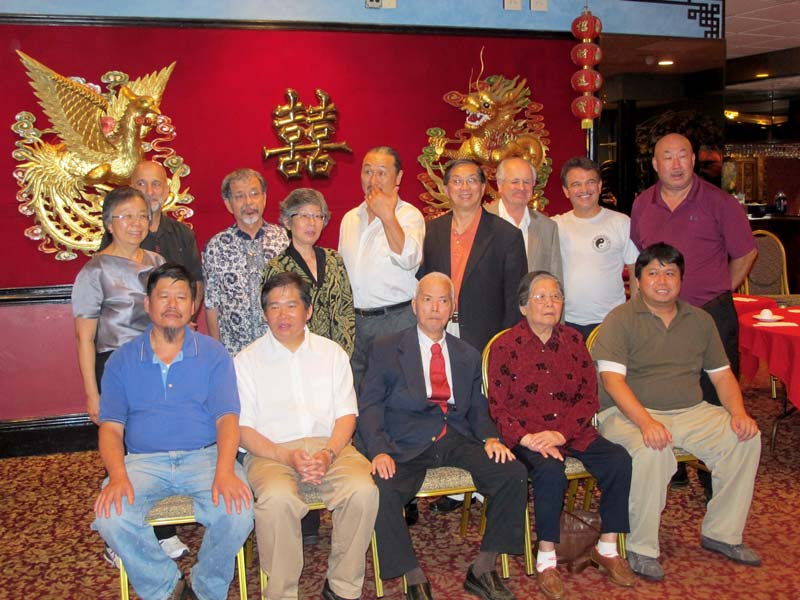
<point x="705" y="431"/>
<point x="347" y="489"/>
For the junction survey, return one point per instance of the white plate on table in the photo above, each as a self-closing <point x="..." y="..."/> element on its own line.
<point x="771" y="319"/>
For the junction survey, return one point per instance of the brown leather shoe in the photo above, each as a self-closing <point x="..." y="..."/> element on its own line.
<point x="550" y="583"/>
<point x="615" y="567"/>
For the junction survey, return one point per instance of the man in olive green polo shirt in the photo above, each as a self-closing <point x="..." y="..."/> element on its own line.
<point x="650" y="353"/>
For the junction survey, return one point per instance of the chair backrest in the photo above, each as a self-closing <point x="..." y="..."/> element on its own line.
<point x="768" y="275"/>
<point x="485" y="362"/>
<point x="591" y="338"/>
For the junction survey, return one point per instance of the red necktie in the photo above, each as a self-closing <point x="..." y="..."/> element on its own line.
<point x="440" y="389"/>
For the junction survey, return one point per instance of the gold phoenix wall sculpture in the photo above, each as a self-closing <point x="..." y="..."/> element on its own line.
<point x="95" y="140"/>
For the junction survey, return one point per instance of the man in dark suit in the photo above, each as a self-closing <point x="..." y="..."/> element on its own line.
<point x="483" y="255"/>
<point x="420" y="407"/>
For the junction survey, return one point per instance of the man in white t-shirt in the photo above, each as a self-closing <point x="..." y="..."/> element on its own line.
<point x="595" y="246"/>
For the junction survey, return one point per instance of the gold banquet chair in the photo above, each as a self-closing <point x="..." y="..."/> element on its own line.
<point x="681" y="455"/>
<point x="445" y="481"/>
<point x="179" y="510"/>
<point x="768" y="276"/>
<point x="441" y="481"/>
<point x="574" y="469"/>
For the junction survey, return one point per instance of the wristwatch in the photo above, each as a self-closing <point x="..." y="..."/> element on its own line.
<point x="331" y="453"/>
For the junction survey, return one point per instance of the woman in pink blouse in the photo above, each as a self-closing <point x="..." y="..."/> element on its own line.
<point x="543" y="394"/>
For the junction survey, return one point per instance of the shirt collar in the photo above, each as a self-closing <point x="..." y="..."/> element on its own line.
<point x="639" y="306"/>
<point x="278" y="351"/>
<point x="189" y="348"/>
<point x="427" y="342"/>
<point x="241" y="234"/>
<point x="503" y="213"/>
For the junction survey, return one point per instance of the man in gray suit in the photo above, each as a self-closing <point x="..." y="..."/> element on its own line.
<point x="516" y="178"/>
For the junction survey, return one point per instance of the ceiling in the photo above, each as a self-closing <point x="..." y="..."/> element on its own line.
<point x="758" y="26"/>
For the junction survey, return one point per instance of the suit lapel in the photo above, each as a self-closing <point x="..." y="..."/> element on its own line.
<point x="411" y="364"/>
<point x="444" y="243"/>
<point x="533" y="236"/>
<point x="458" y="367"/>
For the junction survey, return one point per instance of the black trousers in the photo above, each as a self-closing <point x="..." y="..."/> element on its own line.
<point x="585" y="330"/>
<point x="608" y="462"/>
<point x="723" y="311"/>
<point x="504" y="485"/>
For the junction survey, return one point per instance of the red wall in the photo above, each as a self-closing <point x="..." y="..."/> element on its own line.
<point x="388" y="88"/>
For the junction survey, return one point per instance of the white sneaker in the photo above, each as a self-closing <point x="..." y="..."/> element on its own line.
<point x="174" y="547"/>
<point x="111" y="557"/>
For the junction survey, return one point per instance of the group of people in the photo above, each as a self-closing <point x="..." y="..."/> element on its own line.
<point x="355" y="371"/>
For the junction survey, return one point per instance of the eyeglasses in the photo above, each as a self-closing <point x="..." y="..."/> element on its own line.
<point x="470" y="181"/>
<point x="310" y="216"/>
<point x="252" y="194"/>
<point x="542" y="298"/>
<point x="129" y="218"/>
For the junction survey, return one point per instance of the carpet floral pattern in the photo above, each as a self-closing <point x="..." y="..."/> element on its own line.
<point x="48" y="550"/>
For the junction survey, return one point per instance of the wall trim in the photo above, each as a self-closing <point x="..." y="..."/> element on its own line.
<point x="90" y="21"/>
<point x="48" y="294"/>
<point x="47" y="435"/>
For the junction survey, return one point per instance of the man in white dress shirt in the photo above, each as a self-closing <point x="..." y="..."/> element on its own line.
<point x="381" y="243"/>
<point x="298" y="416"/>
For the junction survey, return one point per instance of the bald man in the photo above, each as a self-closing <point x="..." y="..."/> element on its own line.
<point x="170" y="238"/>
<point x="708" y="227"/>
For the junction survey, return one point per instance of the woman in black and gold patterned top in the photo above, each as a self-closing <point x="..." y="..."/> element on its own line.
<point x="305" y="213"/>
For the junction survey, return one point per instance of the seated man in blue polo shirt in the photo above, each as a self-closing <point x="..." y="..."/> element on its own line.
<point x="170" y="397"/>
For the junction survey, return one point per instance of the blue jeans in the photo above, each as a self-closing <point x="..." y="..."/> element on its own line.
<point x="159" y="475"/>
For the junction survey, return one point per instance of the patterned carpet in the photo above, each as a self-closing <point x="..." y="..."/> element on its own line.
<point x="49" y="552"/>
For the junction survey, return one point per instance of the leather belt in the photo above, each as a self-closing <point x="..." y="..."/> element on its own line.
<point x="385" y="310"/>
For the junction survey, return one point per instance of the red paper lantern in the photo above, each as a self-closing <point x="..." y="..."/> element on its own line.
<point x="587" y="108"/>
<point x="586" y="54"/>
<point x="587" y="26"/>
<point x="586" y="80"/>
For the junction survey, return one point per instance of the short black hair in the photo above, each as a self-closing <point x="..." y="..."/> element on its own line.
<point x="457" y="163"/>
<point x="663" y="253"/>
<point x="170" y="270"/>
<point x="391" y="152"/>
<point x="290" y="279"/>
<point x="578" y="162"/>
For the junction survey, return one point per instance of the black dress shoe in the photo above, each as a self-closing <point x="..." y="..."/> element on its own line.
<point x="328" y="593"/>
<point x="488" y="586"/>
<point x="412" y="513"/>
<point x="444" y="504"/>
<point x="419" y="591"/>
<point x="681" y="478"/>
<point x="310" y="528"/>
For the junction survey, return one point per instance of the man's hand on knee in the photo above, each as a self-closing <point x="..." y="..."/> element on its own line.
<point x="112" y="494"/>
<point x="233" y="490"/>
<point x="655" y="435"/>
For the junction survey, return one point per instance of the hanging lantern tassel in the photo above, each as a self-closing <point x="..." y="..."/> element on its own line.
<point x="586" y="55"/>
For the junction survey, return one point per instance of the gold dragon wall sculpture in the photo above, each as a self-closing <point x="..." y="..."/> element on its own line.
<point x="501" y="122"/>
<point x="95" y="141"/>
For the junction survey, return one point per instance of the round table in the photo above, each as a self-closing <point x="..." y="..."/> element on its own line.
<point x="778" y="345"/>
<point x="747" y="304"/>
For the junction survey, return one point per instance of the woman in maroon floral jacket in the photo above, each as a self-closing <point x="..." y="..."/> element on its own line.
<point x="543" y="394"/>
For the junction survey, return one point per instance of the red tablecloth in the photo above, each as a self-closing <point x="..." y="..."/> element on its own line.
<point x="778" y="347"/>
<point x="746" y="304"/>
